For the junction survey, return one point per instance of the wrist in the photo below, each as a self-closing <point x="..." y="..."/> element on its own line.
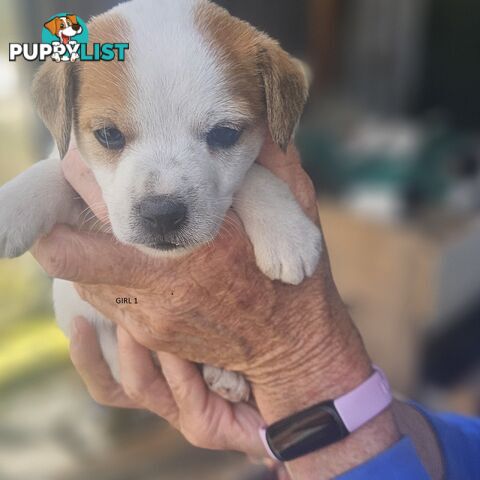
<point x="303" y="391"/>
<point x="323" y="367"/>
<point x="326" y="360"/>
<point x="317" y="354"/>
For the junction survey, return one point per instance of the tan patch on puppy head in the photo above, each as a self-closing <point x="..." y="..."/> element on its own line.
<point x="235" y="42"/>
<point x="54" y="91"/>
<point x="86" y="95"/>
<point x="104" y="91"/>
<point x="260" y="72"/>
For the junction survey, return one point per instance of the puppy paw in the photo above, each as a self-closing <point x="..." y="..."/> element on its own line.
<point x="31" y="204"/>
<point x="22" y="221"/>
<point x="289" y="251"/>
<point x="14" y="243"/>
<point x="286" y="242"/>
<point x="18" y="227"/>
<point x="231" y="386"/>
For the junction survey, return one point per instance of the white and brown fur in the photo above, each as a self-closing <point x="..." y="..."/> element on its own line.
<point x="190" y="66"/>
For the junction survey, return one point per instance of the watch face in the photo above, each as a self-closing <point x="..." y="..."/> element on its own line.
<point x="306" y="432"/>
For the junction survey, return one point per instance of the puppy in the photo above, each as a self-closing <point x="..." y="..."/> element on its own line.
<point x="172" y="135"/>
<point x="64" y="28"/>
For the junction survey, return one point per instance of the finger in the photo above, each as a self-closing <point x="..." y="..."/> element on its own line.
<point x="87" y="257"/>
<point x="143" y="381"/>
<point x="87" y="358"/>
<point x="207" y="420"/>
<point x="288" y="167"/>
<point x="82" y="180"/>
<point x="275" y="159"/>
<point x="186" y="383"/>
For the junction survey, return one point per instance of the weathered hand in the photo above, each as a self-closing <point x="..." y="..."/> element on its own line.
<point x="214" y="296"/>
<point x="176" y="393"/>
<point x="296" y="345"/>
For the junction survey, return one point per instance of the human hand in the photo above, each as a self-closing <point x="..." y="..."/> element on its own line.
<point x="176" y="393"/>
<point x="191" y="287"/>
<point x="297" y="345"/>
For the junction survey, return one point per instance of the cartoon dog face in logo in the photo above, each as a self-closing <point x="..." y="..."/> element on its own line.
<point x="64" y="27"/>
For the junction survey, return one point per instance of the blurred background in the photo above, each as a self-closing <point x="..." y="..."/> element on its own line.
<point x="391" y="140"/>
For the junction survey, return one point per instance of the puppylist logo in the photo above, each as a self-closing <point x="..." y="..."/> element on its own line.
<point x="65" y="39"/>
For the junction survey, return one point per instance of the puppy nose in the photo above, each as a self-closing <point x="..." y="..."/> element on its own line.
<point x="76" y="26"/>
<point x="162" y="214"/>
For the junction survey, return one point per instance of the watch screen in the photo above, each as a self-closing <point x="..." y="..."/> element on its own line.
<point x="306" y="432"/>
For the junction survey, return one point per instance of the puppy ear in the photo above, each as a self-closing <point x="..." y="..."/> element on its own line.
<point x="72" y="18"/>
<point x="51" y="26"/>
<point x="286" y="90"/>
<point x="54" y="97"/>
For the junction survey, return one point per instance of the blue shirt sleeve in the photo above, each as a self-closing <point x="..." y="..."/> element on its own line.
<point x="459" y="439"/>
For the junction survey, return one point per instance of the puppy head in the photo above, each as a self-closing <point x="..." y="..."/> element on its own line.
<point x="171" y="132"/>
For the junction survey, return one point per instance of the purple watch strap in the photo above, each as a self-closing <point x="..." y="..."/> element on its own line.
<point x="365" y="402"/>
<point x="355" y="408"/>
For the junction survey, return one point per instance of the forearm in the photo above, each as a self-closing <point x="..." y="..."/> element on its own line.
<point x="327" y="359"/>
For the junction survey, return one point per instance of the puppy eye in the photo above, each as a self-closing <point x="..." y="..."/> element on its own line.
<point x="223" y="137"/>
<point x="62" y="25"/>
<point x="110" y="137"/>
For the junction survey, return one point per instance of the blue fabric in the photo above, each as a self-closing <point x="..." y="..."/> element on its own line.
<point x="399" y="462"/>
<point x="459" y="438"/>
<point x="460" y="442"/>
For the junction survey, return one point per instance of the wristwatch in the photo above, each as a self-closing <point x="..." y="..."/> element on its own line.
<point x="328" y="422"/>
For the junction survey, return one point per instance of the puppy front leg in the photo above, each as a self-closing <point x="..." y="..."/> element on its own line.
<point x="287" y="243"/>
<point x="32" y="203"/>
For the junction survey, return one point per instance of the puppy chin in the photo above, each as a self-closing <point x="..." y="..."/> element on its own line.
<point x="146" y="244"/>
